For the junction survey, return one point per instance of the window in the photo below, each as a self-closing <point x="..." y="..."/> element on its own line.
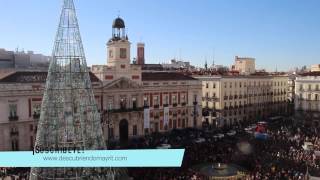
<point x="123" y="53"/>
<point x="166" y="100"/>
<point x="110" y="54"/>
<point x="145" y="101"/>
<point x="15" y="145"/>
<point x="214" y="85"/>
<point x="123" y="103"/>
<point x="134" y="102"/>
<point x="12" y="110"/>
<point x="207" y="85"/>
<point x="317" y="87"/>
<point x="156" y="100"/>
<point x="111" y="133"/>
<point x="195" y="98"/>
<point x="134" y="130"/>
<point x="309" y="96"/>
<point x="36" y="109"/>
<point x="183" y="98"/>
<point x="174" y="99"/>
<point x="316" y="97"/>
<point x="110" y="103"/>
<point x="309" y="88"/>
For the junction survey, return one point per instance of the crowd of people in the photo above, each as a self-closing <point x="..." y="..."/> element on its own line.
<point x="281" y="156"/>
<point x="14" y="173"/>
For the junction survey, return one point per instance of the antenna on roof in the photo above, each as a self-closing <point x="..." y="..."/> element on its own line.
<point x="213" y="57"/>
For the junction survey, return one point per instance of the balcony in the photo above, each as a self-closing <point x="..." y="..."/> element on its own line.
<point x="183" y="104"/>
<point x="205" y="113"/>
<point x="225" y="97"/>
<point x="215" y="99"/>
<point x="36" y="115"/>
<point x="165" y="105"/>
<point x="122" y="110"/>
<point x="156" y="106"/>
<point x="13" y="118"/>
<point x="14" y="133"/>
<point x="174" y="104"/>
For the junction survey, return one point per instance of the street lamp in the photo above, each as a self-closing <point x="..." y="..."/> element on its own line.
<point x="195" y="111"/>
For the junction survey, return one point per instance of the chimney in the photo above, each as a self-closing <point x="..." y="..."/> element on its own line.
<point x="140" y="53"/>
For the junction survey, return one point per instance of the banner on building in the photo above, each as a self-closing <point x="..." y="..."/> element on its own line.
<point x="146" y="117"/>
<point x="166" y="116"/>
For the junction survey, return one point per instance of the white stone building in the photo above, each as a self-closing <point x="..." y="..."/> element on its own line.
<point x="307" y="100"/>
<point x="231" y="99"/>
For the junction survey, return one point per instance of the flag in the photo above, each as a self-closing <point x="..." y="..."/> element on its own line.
<point x="166" y="116"/>
<point x="146" y="118"/>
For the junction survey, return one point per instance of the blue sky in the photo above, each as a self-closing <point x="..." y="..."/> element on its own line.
<point x="278" y="33"/>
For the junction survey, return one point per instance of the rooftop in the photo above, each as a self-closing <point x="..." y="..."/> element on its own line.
<point x="165" y="76"/>
<point x="314" y="73"/>
<point x="33" y="77"/>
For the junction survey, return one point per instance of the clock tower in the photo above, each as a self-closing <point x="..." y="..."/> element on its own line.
<point x="118" y="47"/>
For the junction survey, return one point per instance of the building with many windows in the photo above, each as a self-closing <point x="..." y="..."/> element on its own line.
<point x="229" y="99"/>
<point x="132" y="102"/>
<point x="307" y="98"/>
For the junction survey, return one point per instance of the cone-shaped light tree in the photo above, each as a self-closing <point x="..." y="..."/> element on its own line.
<point x="69" y="116"/>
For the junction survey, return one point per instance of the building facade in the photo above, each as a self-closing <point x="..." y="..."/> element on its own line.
<point x="315" y="68"/>
<point x="132" y="102"/>
<point x="307" y="98"/>
<point x="245" y="65"/>
<point x="23" y="60"/>
<point x="228" y="100"/>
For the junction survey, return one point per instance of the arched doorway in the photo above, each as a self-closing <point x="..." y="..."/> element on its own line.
<point x="123" y="130"/>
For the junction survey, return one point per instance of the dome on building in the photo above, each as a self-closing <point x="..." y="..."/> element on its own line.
<point x="118" y="23"/>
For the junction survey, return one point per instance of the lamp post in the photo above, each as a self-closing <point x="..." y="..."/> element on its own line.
<point x="195" y="112"/>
